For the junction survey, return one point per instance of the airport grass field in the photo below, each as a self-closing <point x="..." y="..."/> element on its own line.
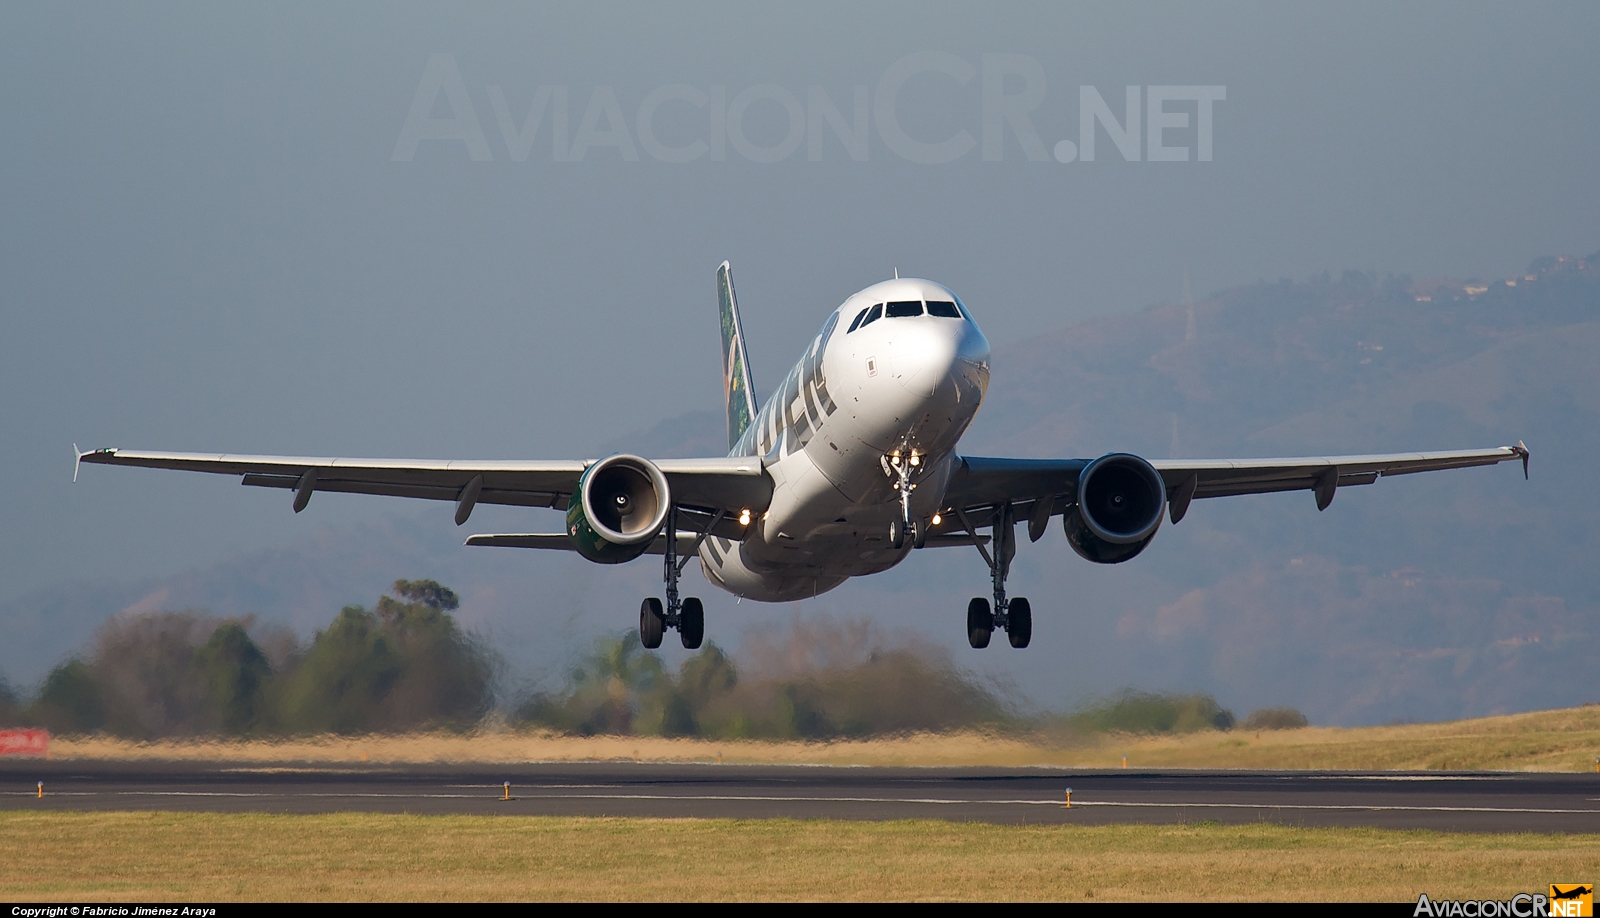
<point x="368" y="857"/>
<point x="1560" y="740"/>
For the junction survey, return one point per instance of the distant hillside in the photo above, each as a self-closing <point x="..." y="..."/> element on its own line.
<point x="1429" y="597"/>
<point x="1438" y="596"/>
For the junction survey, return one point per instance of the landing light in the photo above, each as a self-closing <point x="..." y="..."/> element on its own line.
<point x="744" y="517"/>
<point x="915" y="459"/>
<point x="937" y="519"/>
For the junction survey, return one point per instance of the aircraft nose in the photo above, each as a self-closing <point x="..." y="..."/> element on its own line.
<point x="924" y="352"/>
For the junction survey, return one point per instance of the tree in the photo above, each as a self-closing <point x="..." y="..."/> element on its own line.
<point x="145" y="668"/>
<point x="343" y="678"/>
<point x="605" y="691"/>
<point x="69" y="701"/>
<point x="235" y="672"/>
<point x="428" y="593"/>
<point x="403" y="666"/>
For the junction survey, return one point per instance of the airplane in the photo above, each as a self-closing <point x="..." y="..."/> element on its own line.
<point x="849" y="467"/>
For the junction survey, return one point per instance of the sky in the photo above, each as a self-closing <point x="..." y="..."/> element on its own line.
<point x="258" y="229"/>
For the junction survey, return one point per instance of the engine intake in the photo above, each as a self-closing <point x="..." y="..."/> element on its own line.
<point x="619" y="509"/>
<point x="1121" y="498"/>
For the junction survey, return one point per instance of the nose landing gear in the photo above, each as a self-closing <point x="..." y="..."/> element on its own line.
<point x="902" y="465"/>
<point x="1015" y="615"/>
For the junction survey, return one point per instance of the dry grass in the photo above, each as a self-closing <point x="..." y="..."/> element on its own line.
<point x="1565" y="740"/>
<point x="351" y="856"/>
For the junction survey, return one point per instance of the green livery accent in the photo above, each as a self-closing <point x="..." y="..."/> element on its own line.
<point x="737" y="393"/>
<point x="591" y="544"/>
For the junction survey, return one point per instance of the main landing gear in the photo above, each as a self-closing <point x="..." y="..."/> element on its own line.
<point x="1014" y="616"/>
<point x="687" y="615"/>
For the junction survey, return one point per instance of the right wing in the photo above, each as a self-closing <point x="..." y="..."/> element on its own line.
<point x="1036" y="489"/>
<point x="1190" y="478"/>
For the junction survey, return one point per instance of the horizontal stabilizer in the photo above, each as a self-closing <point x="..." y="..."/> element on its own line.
<point x="558" y="541"/>
<point x="953" y="539"/>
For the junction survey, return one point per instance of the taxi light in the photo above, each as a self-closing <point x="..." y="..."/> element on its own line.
<point x="937" y="519"/>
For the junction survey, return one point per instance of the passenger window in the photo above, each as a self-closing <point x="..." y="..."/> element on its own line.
<point x="944" y="309"/>
<point x="873" y="315"/>
<point x="859" y="316"/>
<point x="904" y="309"/>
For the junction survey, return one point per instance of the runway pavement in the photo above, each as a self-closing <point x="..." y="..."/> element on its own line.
<point x="1472" y="802"/>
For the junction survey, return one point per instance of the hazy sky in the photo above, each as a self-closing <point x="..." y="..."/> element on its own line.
<point x="215" y="239"/>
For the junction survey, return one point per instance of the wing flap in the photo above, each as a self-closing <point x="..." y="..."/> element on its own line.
<point x="487" y="495"/>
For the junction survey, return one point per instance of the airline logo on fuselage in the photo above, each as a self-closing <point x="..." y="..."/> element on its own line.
<point x="791" y="417"/>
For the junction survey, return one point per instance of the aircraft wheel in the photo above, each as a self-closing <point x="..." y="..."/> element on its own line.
<point x="1019" y="622"/>
<point x="980" y="623"/>
<point x="652" y="623"/>
<point x="897" y="535"/>
<point x="919" y="533"/>
<point x="692" y="623"/>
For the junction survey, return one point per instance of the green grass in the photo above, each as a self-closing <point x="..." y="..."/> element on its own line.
<point x="352" y="856"/>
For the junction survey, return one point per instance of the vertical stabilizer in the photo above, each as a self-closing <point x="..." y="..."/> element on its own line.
<point x="737" y="393"/>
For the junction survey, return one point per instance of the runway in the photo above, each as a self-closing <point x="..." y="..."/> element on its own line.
<point x="1472" y="802"/>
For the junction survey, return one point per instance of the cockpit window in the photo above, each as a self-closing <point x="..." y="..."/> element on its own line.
<point x="944" y="309"/>
<point x="963" y="307"/>
<point x="873" y="315"/>
<point x="903" y="309"/>
<point x="859" y="316"/>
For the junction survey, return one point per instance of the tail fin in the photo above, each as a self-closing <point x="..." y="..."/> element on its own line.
<point x="737" y="393"/>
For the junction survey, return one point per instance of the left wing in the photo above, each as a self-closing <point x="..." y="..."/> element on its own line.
<point x="707" y="485"/>
<point x="1038" y="488"/>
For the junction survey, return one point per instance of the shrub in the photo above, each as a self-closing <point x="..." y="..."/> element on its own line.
<point x="1152" y="712"/>
<point x="1276" y="719"/>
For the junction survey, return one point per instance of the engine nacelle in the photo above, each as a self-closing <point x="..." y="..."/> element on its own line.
<point x="1121" y="499"/>
<point x="620" y="507"/>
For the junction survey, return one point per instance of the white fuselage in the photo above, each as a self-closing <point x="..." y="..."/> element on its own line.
<point x="906" y="384"/>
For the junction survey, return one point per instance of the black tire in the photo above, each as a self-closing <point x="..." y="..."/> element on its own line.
<point x="897" y="535"/>
<point x="1019" y="622"/>
<point x="919" y="533"/>
<point x="692" y="623"/>
<point x="652" y="624"/>
<point x="980" y="623"/>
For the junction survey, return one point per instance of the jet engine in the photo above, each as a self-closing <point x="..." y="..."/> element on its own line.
<point x="1120" y="501"/>
<point x="619" y="509"/>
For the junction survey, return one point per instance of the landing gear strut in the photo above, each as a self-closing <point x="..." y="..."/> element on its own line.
<point x="901" y="466"/>
<point x="686" y="615"/>
<point x="1015" y="616"/>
